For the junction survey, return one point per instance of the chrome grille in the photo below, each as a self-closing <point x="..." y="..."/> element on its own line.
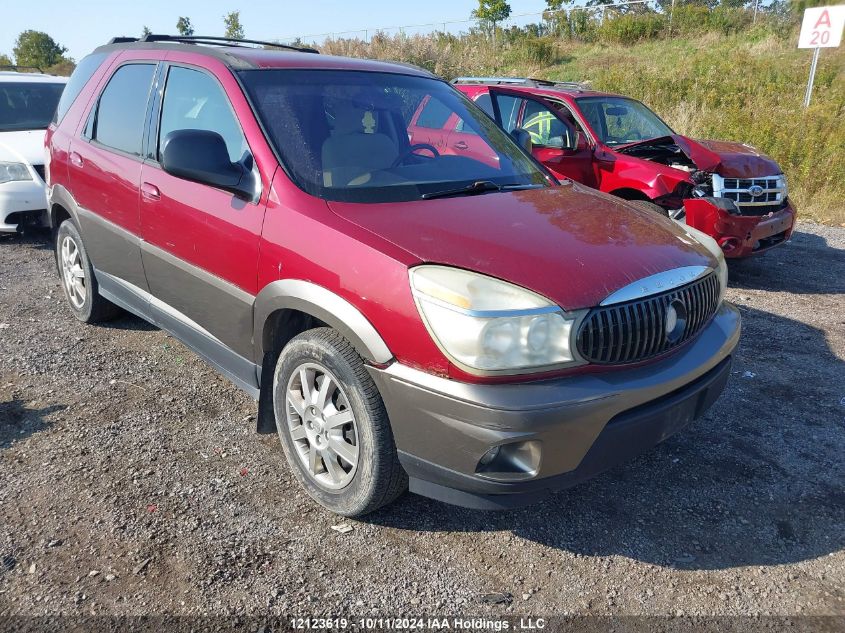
<point x="770" y="193"/>
<point x="636" y="330"/>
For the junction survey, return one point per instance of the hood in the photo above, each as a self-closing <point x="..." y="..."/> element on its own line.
<point x="570" y="244"/>
<point x="25" y="146"/>
<point x="737" y="160"/>
<point x="726" y="158"/>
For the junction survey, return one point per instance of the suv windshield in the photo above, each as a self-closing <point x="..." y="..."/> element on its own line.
<point x="617" y="120"/>
<point x="27" y="106"/>
<point x="383" y="137"/>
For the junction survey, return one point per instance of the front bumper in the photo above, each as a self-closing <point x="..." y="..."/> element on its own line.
<point x="581" y="424"/>
<point x="741" y="235"/>
<point x="20" y="200"/>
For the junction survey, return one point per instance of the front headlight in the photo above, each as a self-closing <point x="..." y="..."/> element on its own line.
<point x="486" y="325"/>
<point x="10" y="172"/>
<point x="713" y="246"/>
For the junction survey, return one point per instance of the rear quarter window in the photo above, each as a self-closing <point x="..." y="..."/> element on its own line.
<point x="83" y="73"/>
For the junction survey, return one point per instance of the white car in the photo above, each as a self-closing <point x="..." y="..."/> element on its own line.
<point x="27" y="104"/>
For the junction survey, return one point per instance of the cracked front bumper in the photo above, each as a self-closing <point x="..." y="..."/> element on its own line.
<point x="741" y="235"/>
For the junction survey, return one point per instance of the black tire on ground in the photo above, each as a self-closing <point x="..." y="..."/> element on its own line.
<point x="649" y="206"/>
<point x="378" y="477"/>
<point x="94" y="308"/>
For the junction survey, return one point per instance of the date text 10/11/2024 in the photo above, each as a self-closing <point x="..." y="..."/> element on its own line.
<point x="419" y="624"/>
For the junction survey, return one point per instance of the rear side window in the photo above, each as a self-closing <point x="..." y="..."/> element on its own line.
<point x="195" y="101"/>
<point x="84" y="71"/>
<point x="509" y="109"/>
<point x="434" y="114"/>
<point x="122" y="108"/>
<point x="485" y="103"/>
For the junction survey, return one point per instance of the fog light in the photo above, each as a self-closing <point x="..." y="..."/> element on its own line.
<point x="511" y="462"/>
<point x="489" y="456"/>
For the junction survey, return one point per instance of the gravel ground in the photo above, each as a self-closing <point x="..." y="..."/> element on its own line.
<point x="131" y="482"/>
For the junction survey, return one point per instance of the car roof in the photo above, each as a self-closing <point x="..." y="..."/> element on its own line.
<point x="551" y="92"/>
<point x="251" y="58"/>
<point x="11" y="76"/>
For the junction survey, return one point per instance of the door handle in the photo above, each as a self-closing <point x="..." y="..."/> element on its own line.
<point x="460" y="145"/>
<point x="75" y="159"/>
<point x="150" y="192"/>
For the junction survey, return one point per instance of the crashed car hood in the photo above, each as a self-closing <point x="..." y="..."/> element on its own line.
<point x="737" y="160"/>
<point x="726" y="158"/>
<point x="571" y="244"/>
<point x="25" y="146"/>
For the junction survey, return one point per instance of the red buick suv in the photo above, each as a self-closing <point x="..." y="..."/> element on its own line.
<point x="471" y="329"/>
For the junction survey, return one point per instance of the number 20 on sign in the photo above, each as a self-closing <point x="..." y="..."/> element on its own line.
<point x="821" y="28"/>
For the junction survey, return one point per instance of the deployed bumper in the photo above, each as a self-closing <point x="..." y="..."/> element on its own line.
<point x="551" y="433"/>
<point x="22" y="201"/>
<point x="741" y="235"/>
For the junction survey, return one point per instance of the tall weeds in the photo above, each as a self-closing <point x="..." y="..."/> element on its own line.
<point x="717" y="76"/>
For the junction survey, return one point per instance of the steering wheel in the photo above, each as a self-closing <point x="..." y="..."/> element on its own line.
<point x="414" y="148"/>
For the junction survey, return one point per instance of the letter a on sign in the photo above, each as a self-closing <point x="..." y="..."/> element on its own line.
<point x="822" y="27"/>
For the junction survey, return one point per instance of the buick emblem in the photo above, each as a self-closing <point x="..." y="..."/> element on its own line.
<point x="675" y="322"/>
<point x="755" y="190"/>
<point x="671" y="319"/>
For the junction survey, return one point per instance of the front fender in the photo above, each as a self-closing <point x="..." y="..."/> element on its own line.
<point x="323" y="304"/>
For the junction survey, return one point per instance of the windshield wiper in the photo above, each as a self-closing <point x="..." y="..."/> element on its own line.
<point x="479" y="186"/>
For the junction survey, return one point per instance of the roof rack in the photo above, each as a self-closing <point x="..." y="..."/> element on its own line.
<point x="16" y="69"/>
<point x="522" y="81"/>
<point x="208" y="40"/>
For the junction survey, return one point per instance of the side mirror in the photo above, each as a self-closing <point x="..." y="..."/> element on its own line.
<point x="201" y="156"/>
<point x="523" y="138"/>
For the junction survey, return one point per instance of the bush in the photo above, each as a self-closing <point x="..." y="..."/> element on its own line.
<point x="630" y="29"/>
<point x="532" y="52"/>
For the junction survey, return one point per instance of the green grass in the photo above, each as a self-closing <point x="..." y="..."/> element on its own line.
<point x="746" y="86"/>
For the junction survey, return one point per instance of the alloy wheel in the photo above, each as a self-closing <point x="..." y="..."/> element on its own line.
<point x="73" y="273"/>
<point x="322" y="426"/>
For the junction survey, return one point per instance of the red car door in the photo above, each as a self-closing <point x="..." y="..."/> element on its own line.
<point x="430" y="123"/>
<point x="556" y="141"/>
<point x="464" y="141"/>
<point x="200" y="247"/>
<point x="104" y="169"/>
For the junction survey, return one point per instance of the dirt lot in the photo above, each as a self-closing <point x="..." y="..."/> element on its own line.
<point x="131" y="482"/>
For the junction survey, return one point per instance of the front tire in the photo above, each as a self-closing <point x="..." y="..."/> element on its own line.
<point x="78" y="280"/>
<point x="333" y="425"/>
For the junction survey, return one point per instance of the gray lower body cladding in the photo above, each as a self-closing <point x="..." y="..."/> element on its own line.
<point x="581" y="425"/>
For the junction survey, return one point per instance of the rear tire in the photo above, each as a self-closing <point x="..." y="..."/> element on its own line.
<point x="77" y="277"/>
<point x="333" y="425"/>
<point x="649" y="206"/>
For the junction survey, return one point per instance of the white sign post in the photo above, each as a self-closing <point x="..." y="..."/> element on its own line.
<point x="821" y="28"/>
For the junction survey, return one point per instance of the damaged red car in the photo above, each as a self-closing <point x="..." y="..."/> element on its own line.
<point x="616" y="144"/>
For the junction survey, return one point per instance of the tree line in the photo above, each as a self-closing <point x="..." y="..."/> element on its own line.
<point x="492" y="12"/>
<point x="38" y="50"/>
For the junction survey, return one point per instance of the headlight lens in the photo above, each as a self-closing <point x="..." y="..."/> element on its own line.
<point x="488" y="325"/>
<point x="713" y="246"/>
<point x="10" y="172"/>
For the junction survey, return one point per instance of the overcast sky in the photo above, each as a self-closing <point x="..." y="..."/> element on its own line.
<point x="85" y="24"/>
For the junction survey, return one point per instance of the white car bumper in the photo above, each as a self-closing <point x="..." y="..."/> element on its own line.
<point x="26" y="196"/>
